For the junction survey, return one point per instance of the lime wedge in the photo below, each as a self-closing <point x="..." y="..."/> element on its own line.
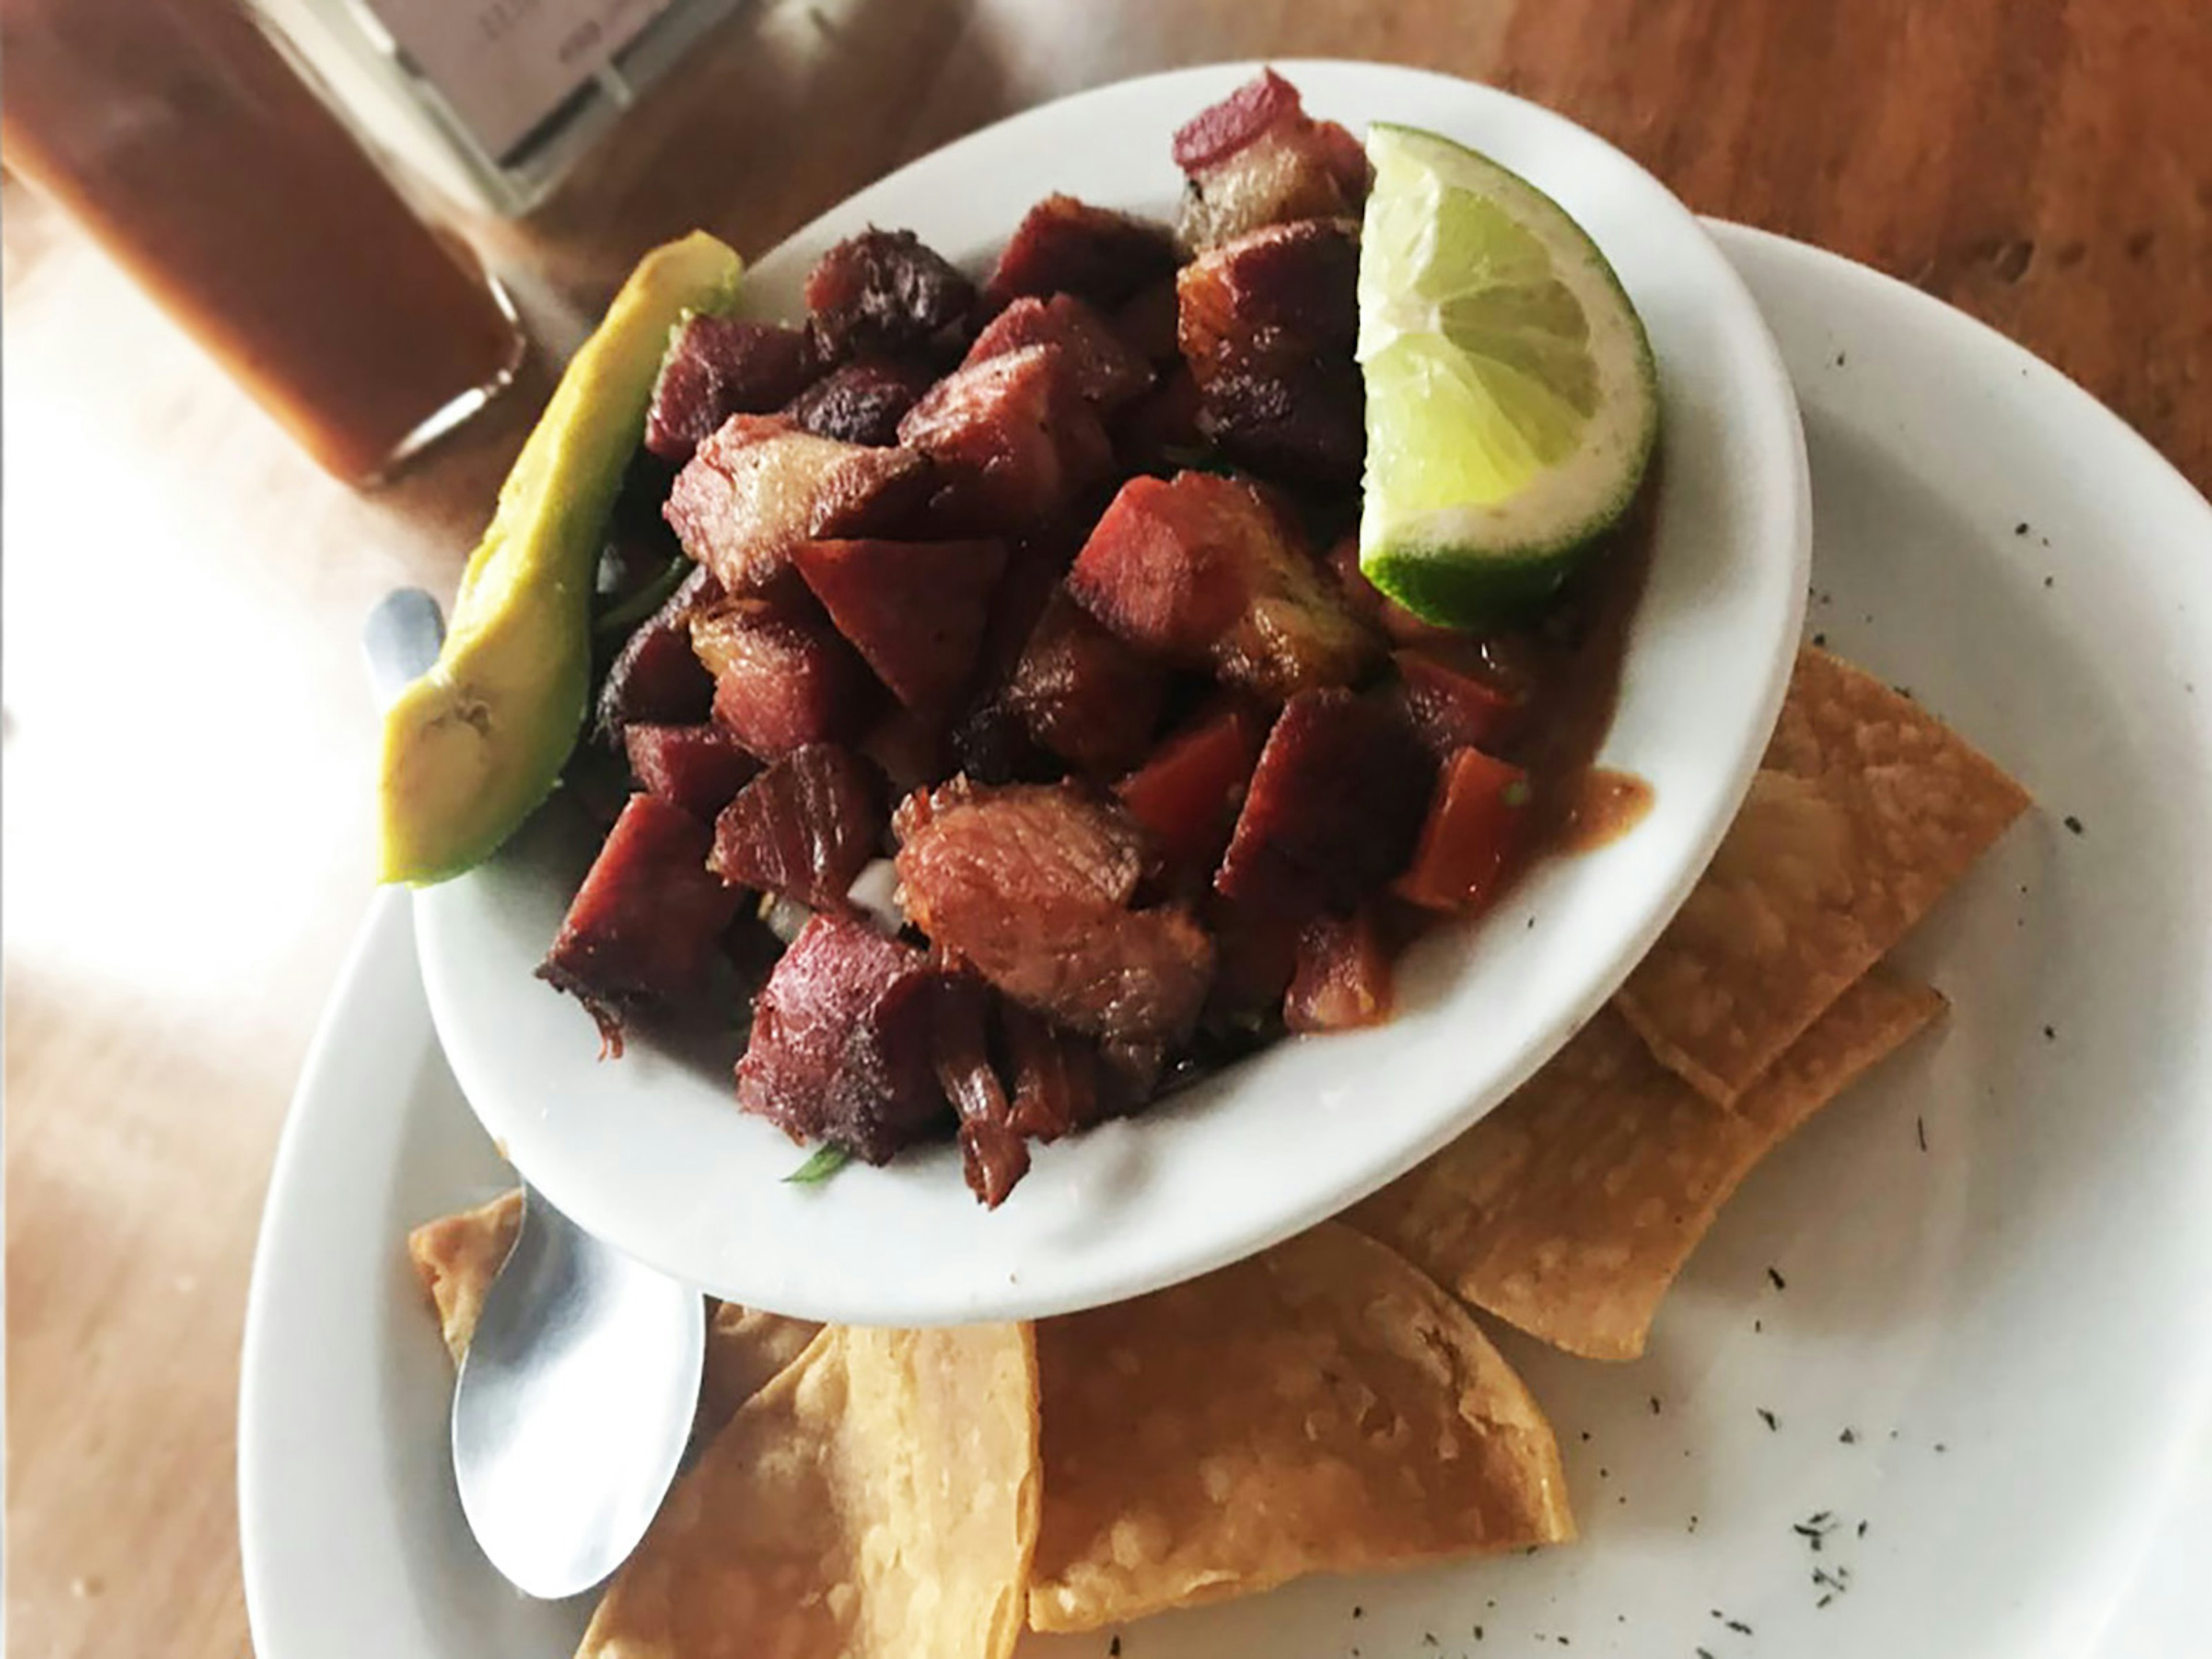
<point x="1511" y="401"/>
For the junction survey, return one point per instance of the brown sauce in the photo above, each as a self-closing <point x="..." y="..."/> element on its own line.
<point x="1575" y="656"/>
<point x="1608" y="805"/>
<point x="178" y="136"/>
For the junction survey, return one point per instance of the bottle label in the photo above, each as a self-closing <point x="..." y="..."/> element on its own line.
<point x="505" y="65"/>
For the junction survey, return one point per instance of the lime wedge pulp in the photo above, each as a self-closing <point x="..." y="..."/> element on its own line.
<point x="1512" y="404"/>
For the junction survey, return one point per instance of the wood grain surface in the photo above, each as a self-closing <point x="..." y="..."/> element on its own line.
<point x="187" y="734"/>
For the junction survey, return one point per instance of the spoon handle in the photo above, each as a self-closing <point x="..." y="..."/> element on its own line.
<point x="400" y="641"/>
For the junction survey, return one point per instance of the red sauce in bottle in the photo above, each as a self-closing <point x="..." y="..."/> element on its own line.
<point x="186" y="144"/>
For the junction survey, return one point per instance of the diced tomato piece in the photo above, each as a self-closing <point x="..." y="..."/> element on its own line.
<point x="1343" y="976"/>
<point x="697" y="768"/>
<point x="1186" y="796"/>
<point x="1473" y="834"/>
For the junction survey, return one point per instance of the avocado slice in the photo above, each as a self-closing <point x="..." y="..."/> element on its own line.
<point x="473" y="747"/>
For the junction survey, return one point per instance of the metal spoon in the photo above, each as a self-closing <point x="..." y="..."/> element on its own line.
<point x="575" y="1398"/>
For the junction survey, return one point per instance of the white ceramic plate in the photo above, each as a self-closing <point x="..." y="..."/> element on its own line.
<point x="651" y="1153"/>
<point x="2015" y="1323"/>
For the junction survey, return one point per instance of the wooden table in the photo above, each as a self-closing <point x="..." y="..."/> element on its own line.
<point x="188" y="738"/>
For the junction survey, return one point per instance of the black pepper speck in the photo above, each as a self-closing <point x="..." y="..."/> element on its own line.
<point x="2073" y="823"/>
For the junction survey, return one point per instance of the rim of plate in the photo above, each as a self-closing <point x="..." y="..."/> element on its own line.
<point x="1132" y="1207"/>
<point x="311" y="1494"/>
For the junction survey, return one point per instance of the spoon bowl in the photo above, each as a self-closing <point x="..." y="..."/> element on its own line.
<point x="574" y="1404"/>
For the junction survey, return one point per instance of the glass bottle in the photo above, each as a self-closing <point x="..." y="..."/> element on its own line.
<point x="190" y="147"/>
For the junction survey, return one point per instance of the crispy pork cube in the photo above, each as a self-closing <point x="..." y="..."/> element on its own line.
<point x="1200" y="571"/>
<point x="1450" y="703"/>
<point x="1188" y="794"/>
<point x="1051" y="1075"/>
<point x="1257" y="158"/>
<point x="656" y="678"/>
<point x="1342" y="980"/>
<point x="843" y="1043"/>
<point x="648" y="920"/>
<point x="1334" y="809"/>
<point x="882" y="291"/>
<point x="1011" y="440"/>
<point x="1066" y="247"/>
<point x="759" y="487"/>
<point x="915" y="611"/>
<point x="783" y="677"/>
<point x="993" y="1153"/>
<point x="698" y="767"/>
<point x="1255" y="952"/>
<point x="1084" y="695"/>
<point x="803" y="829"/>
<point x="1105" y="371"/>
<point x="718" y="367"/>
<point x="1267" y="323"/>
<point x="1029" y="885"/>
<point x="1146" y="323"/>
<point x="861" y="402"/>
<point x="1159" y="432"/>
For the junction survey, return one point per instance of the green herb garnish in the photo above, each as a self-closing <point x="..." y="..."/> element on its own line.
<point x="646" y="600"/>
<point x="827" y="1160"/>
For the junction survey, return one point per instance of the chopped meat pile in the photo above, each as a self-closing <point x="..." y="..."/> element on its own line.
<point x="1026" y="678"/>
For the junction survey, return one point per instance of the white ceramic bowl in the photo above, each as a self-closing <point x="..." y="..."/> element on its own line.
<point x="650" y="1152"/>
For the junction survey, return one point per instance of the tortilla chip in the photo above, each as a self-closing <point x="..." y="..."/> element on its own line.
<point x="878" y="1497"/>
<point x="1322" y="1407"/>
<point x="1569" y="1210"/>
<point x="745" y="1349"/>
<point x="458" y="1256"/>
<point x="1867" y="811"/>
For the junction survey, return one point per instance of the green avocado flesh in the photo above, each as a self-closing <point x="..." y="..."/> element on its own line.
<point x="473" y="747"/>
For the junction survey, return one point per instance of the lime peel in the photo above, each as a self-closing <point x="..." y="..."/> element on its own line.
<point x="1512" y="400"/>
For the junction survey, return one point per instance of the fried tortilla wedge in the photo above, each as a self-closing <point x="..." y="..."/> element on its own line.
<point x="1866" y="811"/>
<point x="877" y="1500"/>
<point x="746" y="1347"/>
<point x="1322" y="1407"/>
<point x="1569" y="1209"/>
<point x="457" y="1257"/>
